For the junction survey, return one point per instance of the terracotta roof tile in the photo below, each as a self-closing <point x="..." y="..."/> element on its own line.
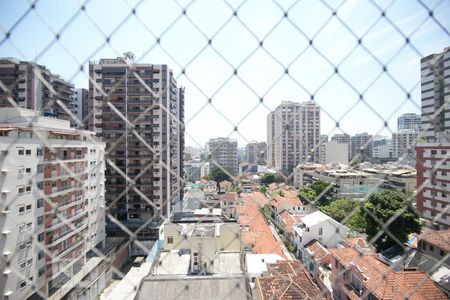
<point x="438" y="238"/>
<point x="277" y="200"/>
<point x="385" y="283"/>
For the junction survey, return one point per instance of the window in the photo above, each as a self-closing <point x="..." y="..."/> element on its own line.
<point x="29" y="262"/>
<point x="28" y="170"/>
<point x="28" y="152"/>
<point x="424" y="246"/>
<point x="444" y="173"/>
<point x="20" y="169"/>
<point x="22" y="265"/>
<point x="431" y="248"/>
<point x="20" y="151"/>
<point x="40" y="220"/>
<point x="433" y="152"/>
<point x="39" y="169"/>
<point x="40" y="255"/>
<point x="28" y="189"/>
<point x="22" y="246"/>
<point x="357" y="284"/>
<point x="29" y="243"/>
<point x="39" y="152"/>
<point x="21" y="190"/>
<point x="40" y="237"/>
<point x="41" y="271"/>
<point x="443" y="152"/>
<point x="320" y="231"/>
<point x="23" y="284"/>
<point x="21" y="209"/>
<point x="28" y="208"/>
<point x="21" y="227"/>
<point x="40" y="203"/>
<point x="170" y="240"/>
<point x="29" y="225"/>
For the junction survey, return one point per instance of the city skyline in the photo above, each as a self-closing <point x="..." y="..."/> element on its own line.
<point x="259" y="76"/>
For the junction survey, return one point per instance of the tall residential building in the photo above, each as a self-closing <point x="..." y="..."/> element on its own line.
<point x="433" y="153"/>
<point x="52" y="210"/>
<point x="34" y="87"/>
<point x="293" y="135"/>
<point x="224" y="153"/>
<point x="138" y="110"/>
<point x="82" y="106"/>
<point x="256" y="153"/>
<point x="343" y="138"/>
<point x="334" y="152"/>
<point x="409" y="121"/>
<point x="381" y="147"/>
<point x="404" y="145"/>
<point x="361" y="147"/>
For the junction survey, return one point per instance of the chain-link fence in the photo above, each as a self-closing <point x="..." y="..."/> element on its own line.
<point x="198" y="70"/>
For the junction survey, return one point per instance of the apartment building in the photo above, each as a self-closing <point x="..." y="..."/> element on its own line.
<point x="433" y="151"/>
<point x="293" y="135"/>
<point x="361" y="147"/>
<point x="52" y="211"/>
<point x="82" y="106"/>
<point x="223" y="153"/>
<point x="409" y="121"/>
<point x="343" y="138"/>
<point x="138" y="110"/>
<point x="381" y="147"/>
<point x="256" y="154"/>
<point x="34" y="87"/>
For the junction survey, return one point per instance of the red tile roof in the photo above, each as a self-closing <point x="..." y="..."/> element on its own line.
<point x="292" y="286"/>
<point x="278" y="200"/>
<point x="438" y="238"/>
<point x="385" y="283"/>
<point x="259" y="234"/>
<point x="289" y="267"/>
<point x="289" y="220"/>
<point x="317" y="250"/>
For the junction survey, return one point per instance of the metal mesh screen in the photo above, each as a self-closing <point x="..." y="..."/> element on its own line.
<point x="359" y="61"/>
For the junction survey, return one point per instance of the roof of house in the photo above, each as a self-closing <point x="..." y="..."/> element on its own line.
<point x="195" y="287"/>
<point x="316" y="217"/>
<point x="229" y="196"/>
<point x="385" y="283"/>
<point x="293" y="286"/>
<point x="278" y="200"/>
<point x="316" y="249"/>
<point x="289" y="220"/>
<point x="438" y="238"/>
<point x="290" y="267"/>
<point x="257" y="263"/>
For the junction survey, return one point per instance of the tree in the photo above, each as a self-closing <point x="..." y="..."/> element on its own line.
<point x="384" y="206"/>
<point x="262" y="189"/>
<point x="324" y="191"/>
<point x="218" y="175"/>
<point x="307" y="194"/>
<point x="268" y="178"/>
<point x="340" y="208"/>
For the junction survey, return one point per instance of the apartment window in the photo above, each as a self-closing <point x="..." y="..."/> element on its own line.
<point x="23" y="284"/>
<point x="41" y="271"/>
<point x="21" y="209"/>
<point x="39" y="152"/>
<point x="22" y="265"/>
<point x="28" y="189"/>
<point x="444" y="173"/>
<point x="320" y="231"/>
<point x="28" y="170"/>
<point x="29" y="243"/>
<point x="170" y="240"/>
<point x="39" y="168"/>
<point x="424" y="246"/>
<point x="28" y="208"/>
<point x="40" y="185"/>
<point x="29" y="225"/>
<point x="22" y="246"/>
<point x="20" y="169"/>
<point x="431" y="248"/>
<point x="40" y="255"/>
<point x="29" y="262"/>
<point x="22" y="227"/>
<point x="21" y="190"/>
<point x="443" y="152"/>
<point x="433" y="152"/>
<point x="357" y="284"/>
<point x="40" y="220"/>
<point x="441" y="252"/>
<point x="40" y="237"/>
<point x="28" y="152"/>
<point x="40" y="203"/>
<point x="20" y="151"/>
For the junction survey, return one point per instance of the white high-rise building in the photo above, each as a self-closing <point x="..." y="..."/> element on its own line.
<point x="52" y="209"/>
<point x="433" y="153"/>
<point x="293" y="135"/>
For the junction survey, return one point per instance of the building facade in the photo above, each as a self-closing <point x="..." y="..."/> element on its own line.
<point x="138" y="110"/>
<point x="82" y="106"/>
<point x="409" y="121"/>
<point x="256" y="154"/>
<point x="52" y="208"/>
<point x="433" y="162"/>
<point x="293" y="135"/>
<point x="361" y="147"/>
<point x="34" y="87"/>
<point x="224" y="154"/>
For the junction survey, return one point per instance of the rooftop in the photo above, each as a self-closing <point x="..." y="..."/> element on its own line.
<point x="278" y="200"/>
<point x="314" y="218"/>
<point x="438" y="238"/>
<point x="257" y="263"/>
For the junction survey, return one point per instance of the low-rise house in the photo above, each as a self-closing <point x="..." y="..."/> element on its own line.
<point x="291" y="204"/>
<point x="210" y="187"/>
<point x="435" y="243"/>
<point x="356" y="275"/>
<point x="287" y="280"/>
<point x="224" y="186"/>
<point x="319" y="226"/>
<point x="286" y="222"/>
<point x="228" y="202"/>
<point x="317" y="259"/>
<point x="256" y="265"/>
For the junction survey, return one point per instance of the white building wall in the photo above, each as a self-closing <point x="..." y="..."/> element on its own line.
<point x="336" y="152"/>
